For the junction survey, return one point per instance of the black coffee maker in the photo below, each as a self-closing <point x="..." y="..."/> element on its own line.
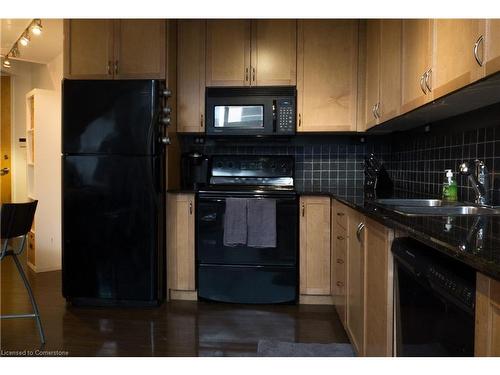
<point x="194" y="170"/>
<point x="378" y="183"/>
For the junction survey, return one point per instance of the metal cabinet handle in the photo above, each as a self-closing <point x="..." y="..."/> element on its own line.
<point x="190" y="207"/>
<point x="377" y="110"/>
<point x="340" y="238"/>
<point x="358" y="231"/>
<point x="4" y="171"/>
<point x="246" y="74"/>
<point x="303" y="210"/>
<point x="428" y="76"/>
<point x="476" y="48"/>
<point x="116" y="67"/>
<point x="300" y="120"/>
<point x="340" y="261"/>
<point x="108" y="67"/>
<point x="340" y="214"/>
<point x="373" y="112"/>
<point x="340" y="283"/>
<point x="422" y="77"/>
<point x="201" y="120"/>
<point x="253" y="74"/>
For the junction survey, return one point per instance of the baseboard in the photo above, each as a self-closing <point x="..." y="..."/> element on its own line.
<point x="183" y="295"/>
<point x="43" y="269"/>
<point x="315" y="300"/>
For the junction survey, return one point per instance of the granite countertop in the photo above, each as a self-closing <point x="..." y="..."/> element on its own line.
<point x="474" y="239"/>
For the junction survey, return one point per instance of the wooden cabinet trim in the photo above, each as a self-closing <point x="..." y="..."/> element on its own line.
<point x="487" y="317"/>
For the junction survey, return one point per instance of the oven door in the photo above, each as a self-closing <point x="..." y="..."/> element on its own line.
<point x="240" y="115"/>
<point x="210" y="232"/>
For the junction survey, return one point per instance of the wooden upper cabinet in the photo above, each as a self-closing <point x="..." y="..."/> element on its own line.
<point x="315" y="245"/>
<point x="416" y="62"/>
<point x="379" y="290"/>
<point x="327" y="61"/>
<point x="372" y="80"/>
<point x="191" y="76"/>
<point x="121" y="49"/>
<point x="88" y="49"/>
<point x="454" y="55"/>
<point x="491" y="46"/>
<point x="390" y="69"/>
<point x="274" y="52"/>
<point x="139" y="49"/>
<point x="228" y="53"/>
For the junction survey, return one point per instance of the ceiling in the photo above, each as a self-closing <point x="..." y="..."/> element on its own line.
<point x="42" y="48"/>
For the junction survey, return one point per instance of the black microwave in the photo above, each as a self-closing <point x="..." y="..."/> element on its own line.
<point x="259" y="111"/>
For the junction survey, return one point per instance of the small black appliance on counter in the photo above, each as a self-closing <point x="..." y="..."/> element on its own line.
<point x="378" y="184"/>
<point x="194" y="171"/>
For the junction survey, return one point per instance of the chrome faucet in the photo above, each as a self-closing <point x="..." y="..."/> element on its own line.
<point x="479" y="179"/>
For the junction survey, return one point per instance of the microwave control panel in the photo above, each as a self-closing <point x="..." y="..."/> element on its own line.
<point x="285" y="116"/>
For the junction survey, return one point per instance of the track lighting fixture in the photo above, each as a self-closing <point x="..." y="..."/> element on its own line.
<point x="25" y="39"/>
<point x="35" y="27"/>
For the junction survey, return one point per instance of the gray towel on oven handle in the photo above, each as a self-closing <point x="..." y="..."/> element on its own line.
<point x="261" y="223"/>
<point x="235" y="222"/>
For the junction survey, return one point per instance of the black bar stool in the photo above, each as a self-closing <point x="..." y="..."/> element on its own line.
<point x="16" y="220"/>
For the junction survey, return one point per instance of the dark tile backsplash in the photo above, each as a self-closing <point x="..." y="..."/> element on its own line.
<point x="416" y="159"/>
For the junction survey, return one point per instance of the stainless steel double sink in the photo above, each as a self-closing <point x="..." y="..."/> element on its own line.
<point x="434" y="207"/>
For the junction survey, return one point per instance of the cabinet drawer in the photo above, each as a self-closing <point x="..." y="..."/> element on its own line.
<point x="339" y="263"/>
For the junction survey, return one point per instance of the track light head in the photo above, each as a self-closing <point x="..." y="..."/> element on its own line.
<point x="25" y="39"/>
<point x="36" y="29"/>
<point x="6" y="62"/>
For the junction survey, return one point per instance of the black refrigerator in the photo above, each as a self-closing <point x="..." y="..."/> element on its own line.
<point x="113" y="193"/>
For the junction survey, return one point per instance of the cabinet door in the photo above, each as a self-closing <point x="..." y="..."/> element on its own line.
<point x="487" y="331"/>
<point x="355" y="281"/>
<point x="190" y="76"/>
<point x="180" y="242"/>
<point x="327" y="66"/>
<point x="372" y="101"/>
<point x="139" y="49"/>
<point x="379" y="287"/>
<point x="315" y="245"/>
<point x="390" y="69"/>
<point x="274" y="52"/>
<point x="416" y="60"/>
<point x="88" y="49"/>
<point x="455" y="65"/>
<point x="492" y="46"/>
<point x="228" y="53"/>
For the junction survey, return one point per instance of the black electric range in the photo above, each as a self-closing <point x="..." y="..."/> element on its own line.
<point x="242" y="273"/>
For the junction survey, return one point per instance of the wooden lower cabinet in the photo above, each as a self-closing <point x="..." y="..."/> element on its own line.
<point x="355" y="314"/>
<point x="487" y="330"/>
<point x="378" y="290"/>
<point x="315" y="245"/>
<point x="180" y="246"/>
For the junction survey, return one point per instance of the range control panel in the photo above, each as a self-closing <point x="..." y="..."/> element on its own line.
<point x="285" y="116"/>
<point x="252" y="166"/>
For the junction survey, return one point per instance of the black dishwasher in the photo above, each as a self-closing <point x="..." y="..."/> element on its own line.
<point x="434" y="297"/>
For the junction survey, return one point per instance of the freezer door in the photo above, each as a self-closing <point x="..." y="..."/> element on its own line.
<point x="111" y="117"/>
<point x="113" y="227"/>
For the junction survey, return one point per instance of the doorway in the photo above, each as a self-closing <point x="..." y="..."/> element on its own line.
<point x="5" y="141"/>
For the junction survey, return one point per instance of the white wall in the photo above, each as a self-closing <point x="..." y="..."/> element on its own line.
<point x="25" y="77"/>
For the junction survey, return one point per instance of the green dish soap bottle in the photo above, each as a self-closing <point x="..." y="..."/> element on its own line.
<point x="449" y="187"/>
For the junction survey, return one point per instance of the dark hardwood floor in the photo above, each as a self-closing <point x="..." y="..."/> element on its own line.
<point x="178" y="328"/>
